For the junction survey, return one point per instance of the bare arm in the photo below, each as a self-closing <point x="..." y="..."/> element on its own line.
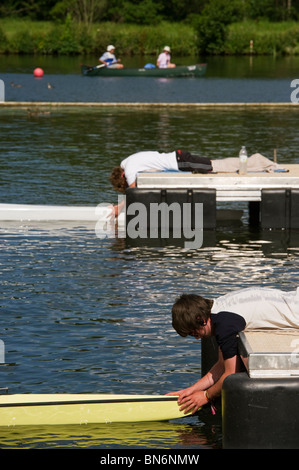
<point x="194" y="397"/>
<point x="119" y="207"/>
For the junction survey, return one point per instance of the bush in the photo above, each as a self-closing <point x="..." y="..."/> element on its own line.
<point x="60" y="39"/>
<point x="68" y="42"/>
<point x="3" y="41"/>
<point x="22" y="43"/>
<point x="212" y="24"/>
<point x="143" y="13"/>
<point x="214" y="37"/>
<point x="268" y="38"/>
<point x="146" y="40"/>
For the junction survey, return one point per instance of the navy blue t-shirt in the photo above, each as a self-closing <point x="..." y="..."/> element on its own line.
<point x="227" y="325"/>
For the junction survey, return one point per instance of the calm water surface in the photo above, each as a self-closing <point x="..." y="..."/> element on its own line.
<point x="228" y="79"/>
<point x="88" y="315"/>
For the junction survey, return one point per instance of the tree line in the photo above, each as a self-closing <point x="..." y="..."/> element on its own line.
<point x="147" y="12"/>
<point x="141" y="26"/>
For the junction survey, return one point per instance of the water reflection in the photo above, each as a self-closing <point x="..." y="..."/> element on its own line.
<point x="224" y="67"/>
<point x="185" y="433"/>
<point x="66" y="158"/>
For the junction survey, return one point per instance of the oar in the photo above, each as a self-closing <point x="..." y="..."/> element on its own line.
<point x="99" y="66"/>
<point x="95" y="67"/>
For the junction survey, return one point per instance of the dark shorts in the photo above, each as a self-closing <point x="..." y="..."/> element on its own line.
<point x="188" y="162"/>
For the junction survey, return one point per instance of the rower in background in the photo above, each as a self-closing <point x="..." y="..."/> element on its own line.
<point x="109" y="59"/>
<point x="163" y="61"/>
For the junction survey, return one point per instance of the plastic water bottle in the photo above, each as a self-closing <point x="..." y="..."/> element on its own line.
<point x="243" y="161"/>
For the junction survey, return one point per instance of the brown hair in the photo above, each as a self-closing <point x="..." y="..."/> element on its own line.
<point x="189" y="312"/>
<point x="118" y="180"/>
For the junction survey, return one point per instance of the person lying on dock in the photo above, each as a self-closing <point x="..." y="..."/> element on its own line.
<point x="224" y="318"/>
<point x="163" y="61"/>
<point x="109" y="59"/>
<point x="125" y="175"/>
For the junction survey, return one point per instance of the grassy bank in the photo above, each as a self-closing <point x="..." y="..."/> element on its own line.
<point x="267" y="38"/>
<point x="29" y="37"/>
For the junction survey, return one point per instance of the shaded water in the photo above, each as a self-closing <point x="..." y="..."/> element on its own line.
<point x="83" y="314"/>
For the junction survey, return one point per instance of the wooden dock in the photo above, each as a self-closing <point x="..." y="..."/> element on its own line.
<point x="270" y="353"/>
<point x="273" y="198"/>
<point x="228" y="186"/>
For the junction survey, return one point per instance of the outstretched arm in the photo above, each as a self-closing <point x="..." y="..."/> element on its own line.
<point x="192" y="398"/>
<point x="120" y="207"/>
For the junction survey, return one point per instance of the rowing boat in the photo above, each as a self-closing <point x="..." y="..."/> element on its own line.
<point x="36" y="212"/>
<point x="197" y="70"/>
<point x="65" y="409"/>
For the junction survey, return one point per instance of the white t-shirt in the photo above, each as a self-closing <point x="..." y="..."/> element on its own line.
<point x="107" y="56"/>
<point x="146" y="161"/>
<point x="163" y="60"/>
<point x="262" y="307"/>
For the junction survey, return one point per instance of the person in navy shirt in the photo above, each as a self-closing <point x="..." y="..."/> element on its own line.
<point x="223" y="318"/>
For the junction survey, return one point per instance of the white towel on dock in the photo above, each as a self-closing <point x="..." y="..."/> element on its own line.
<point x="256" y="162"/>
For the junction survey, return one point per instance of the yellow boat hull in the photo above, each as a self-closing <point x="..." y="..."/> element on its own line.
<point x="58" y="409"/>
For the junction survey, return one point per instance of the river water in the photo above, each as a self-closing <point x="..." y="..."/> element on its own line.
<point x="236" y="80"/>
<point x="89" y="315"/>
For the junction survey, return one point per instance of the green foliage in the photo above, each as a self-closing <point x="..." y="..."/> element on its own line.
<point x="59" y="11"/>
<point x="146" y="40"/>
<point x="22" y="43"/>
<point x="144" y="12"/>
<point x="68" y="38"/>
<point x="181" y="10"/>
<point x="279" y="10"/>
<point x="84" y="12"/>
<point x="268" y="38"/>
<point x="212" y="24"/>
<point x="33" y="9"/>
<point x="3" y="41"/>
<point x="31" y="37"/>
<point x="64" y="39"/>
